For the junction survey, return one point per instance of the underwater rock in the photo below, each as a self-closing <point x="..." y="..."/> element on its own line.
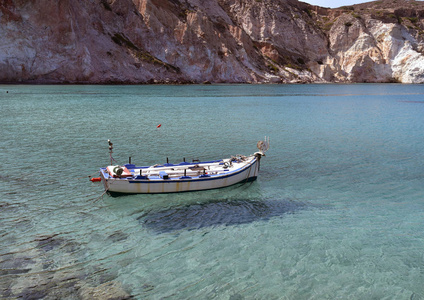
<point x="12" y="262"/>
<point x="48" y="285"/>
<point x="236" y="297"/>
<point x="108" y="290"/>
<point x="13" y="271"/>
<point x="61" y="284"/>
<point x="117" y="236"/>
<point x="13" y="265"/>
<point x="48" y="243"/>
<point x="50" y="268"/>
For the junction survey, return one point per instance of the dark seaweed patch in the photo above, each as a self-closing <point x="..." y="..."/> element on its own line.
<point x="13" y="271"/>
<point x="32" y="294"/>
<point x="118" y="236"/>
<point x="12" y="262"/>
<point x="48" y="243"/>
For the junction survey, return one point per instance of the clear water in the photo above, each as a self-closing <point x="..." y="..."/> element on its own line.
<point x="336" y="213"/>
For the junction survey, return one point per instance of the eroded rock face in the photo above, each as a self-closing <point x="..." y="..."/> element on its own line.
<point x="368" y="50"/>
<point x="146" y="41"/>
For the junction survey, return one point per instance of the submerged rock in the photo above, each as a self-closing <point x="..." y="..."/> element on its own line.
<point x="108" y="290"/>
<point x="117" y="236"/>
<point x="48" y="243"/>
<point x="54" y="267"/>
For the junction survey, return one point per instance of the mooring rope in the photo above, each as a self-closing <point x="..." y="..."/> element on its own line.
<point x="112" y="159"/>
<point x="88" y="175"/>
<point x="101" y="196"/>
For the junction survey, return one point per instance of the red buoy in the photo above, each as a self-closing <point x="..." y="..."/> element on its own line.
<point x="159" y="126"/>
<point x="95" y="179"/>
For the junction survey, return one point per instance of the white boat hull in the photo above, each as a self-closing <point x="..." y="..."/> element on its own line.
<point x="238" y="173"/>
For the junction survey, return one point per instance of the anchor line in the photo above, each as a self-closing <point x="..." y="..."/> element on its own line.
<point x="88" y="175"/>
<point x="248" y="175"/>
<point x="100" y="196"/>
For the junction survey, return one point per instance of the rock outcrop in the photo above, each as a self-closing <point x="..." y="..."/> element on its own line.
<point x="195" y="41"/>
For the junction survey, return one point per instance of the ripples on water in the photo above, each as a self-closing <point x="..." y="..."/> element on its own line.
<point x="214" y="213"/>
<point x="336" y="211"/>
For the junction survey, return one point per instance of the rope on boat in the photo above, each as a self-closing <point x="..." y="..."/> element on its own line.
<point x="112" y="159"/>
<point x="101" y="196"/>
<point x="97" y="172"/>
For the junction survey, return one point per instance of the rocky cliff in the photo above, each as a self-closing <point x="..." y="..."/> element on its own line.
<point x="147" y="41"/>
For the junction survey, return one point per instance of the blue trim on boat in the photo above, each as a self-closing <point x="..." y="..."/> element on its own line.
<point x="132" y="166"/>
<point x="163" y="175"/>
<point x="212" y="177"/>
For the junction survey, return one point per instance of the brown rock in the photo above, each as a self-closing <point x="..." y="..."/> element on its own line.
<point x="142" y="41"/>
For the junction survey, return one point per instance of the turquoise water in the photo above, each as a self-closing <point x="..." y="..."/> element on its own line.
<point x="336" y="213"/>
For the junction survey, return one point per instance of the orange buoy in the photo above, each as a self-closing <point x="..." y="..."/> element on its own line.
<point x="159" y="126"/>
<point x="95" y="179"/>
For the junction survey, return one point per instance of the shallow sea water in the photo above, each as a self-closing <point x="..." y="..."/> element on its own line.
<point x="336" y="213"/>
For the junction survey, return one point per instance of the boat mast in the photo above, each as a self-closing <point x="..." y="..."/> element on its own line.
<point x="110" y="151"/>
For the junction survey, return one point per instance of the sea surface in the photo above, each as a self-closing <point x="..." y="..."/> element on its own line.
<point x="337" y="211"/>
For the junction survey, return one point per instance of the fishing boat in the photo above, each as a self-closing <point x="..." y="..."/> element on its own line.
<point x="182" y="177"/>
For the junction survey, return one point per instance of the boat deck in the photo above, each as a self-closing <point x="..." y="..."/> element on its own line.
<point x="185" y="169"/>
